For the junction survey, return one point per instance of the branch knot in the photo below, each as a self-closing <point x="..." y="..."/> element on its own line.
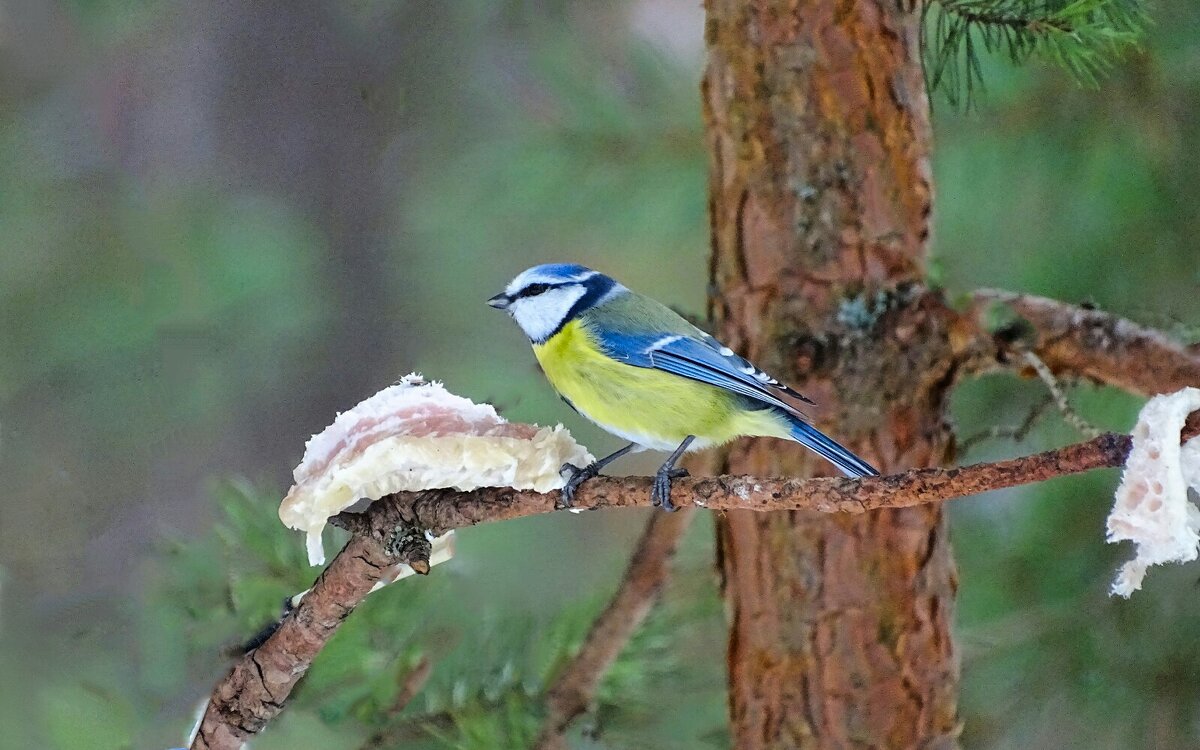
<point x="411" y="545"/>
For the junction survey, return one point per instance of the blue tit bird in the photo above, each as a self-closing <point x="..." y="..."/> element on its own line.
<point x="643" y="373"/>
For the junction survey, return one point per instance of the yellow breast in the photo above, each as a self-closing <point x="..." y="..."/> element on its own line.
<point x="644" y="405"/>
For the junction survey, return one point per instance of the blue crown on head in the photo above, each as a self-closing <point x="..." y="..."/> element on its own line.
<point x="560" y="271"/>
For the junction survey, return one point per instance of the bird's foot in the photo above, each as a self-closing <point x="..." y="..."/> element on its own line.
<point x="576" y="477"/>
<point x="660" y="495"/>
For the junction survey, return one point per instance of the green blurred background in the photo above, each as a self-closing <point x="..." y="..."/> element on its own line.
<point x="222" y="222"/>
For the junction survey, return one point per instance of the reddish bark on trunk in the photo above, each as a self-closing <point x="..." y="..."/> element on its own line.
<point x="817" y="124"/>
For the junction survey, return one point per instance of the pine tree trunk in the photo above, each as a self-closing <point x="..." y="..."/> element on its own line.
<point x="818" y="128"/>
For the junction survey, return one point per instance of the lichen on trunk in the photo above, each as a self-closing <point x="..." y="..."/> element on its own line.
<point x="818" y="130"/>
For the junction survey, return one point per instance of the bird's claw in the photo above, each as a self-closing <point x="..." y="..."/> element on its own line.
<point x="660" y="495"/>
<point x="577" y="477"/>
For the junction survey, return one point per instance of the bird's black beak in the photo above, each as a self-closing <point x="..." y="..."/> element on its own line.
<point x="500" y="301"/>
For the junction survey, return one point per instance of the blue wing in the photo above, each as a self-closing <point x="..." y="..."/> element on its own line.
<point x="639" y="331"/>
<point x="699" y="357"/>
<point x="703" y="358"/>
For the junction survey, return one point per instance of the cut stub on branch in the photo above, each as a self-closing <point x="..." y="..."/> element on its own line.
<point x="1152" y="507"/>
<point x="415" y="436"/>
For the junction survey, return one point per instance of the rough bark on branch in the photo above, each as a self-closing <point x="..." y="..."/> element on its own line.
<point x="1075" y="341"/>
<point x="574" y="687"/>
<point x="256" y="688"/>
<point x="260" y="682"/>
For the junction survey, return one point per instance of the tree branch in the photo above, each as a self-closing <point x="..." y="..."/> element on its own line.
<point x="1075" y="341"/>
<point x="260" y="682"/>
<point x="257" y="686"/>
<point x="575" y="686"/>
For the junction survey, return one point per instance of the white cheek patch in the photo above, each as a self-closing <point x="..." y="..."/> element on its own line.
<point x="539" y="316"/>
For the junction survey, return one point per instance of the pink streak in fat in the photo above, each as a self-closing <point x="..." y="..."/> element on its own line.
<point x="412" y="411"/>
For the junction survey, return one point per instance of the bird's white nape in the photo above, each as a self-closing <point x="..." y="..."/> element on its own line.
<point x="542" y="314"/>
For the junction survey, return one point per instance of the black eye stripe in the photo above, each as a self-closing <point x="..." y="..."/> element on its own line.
<point x="532" y="290"/>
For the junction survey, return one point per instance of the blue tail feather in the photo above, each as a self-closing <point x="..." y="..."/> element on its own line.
<point x="824" y="446"/>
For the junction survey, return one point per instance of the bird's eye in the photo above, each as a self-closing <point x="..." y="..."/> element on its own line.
<point x="533" y="290"/>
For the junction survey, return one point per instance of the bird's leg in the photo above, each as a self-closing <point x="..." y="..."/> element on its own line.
<point x="661" y="494"/>
<point x="580" y="475"/>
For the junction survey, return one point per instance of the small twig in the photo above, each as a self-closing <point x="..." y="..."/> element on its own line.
<point x="975" y="14"/>
<point x="1060" y="398"/>
<point x="1008" y="432"/>
<point x="255" y="689"/>
<point x="574" y="688"/>
<point x="411" y="683"/>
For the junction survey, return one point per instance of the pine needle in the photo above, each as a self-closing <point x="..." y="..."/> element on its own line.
<point x="1084" y="37"/>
